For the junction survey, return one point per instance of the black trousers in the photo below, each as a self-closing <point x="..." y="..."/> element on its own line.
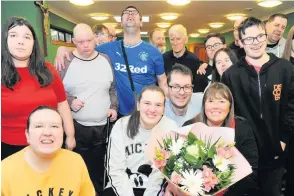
<point x="110" y="192"/>
<point x="290" y="168"/>
<point x="91" y="146"/>
<point x="7" y="150"/>
<point x="270" y="181"/>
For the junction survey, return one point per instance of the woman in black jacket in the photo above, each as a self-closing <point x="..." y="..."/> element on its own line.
<point x="218" y="111"/>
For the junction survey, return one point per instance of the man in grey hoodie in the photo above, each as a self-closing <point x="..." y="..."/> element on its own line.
<point x="275" y="28"/>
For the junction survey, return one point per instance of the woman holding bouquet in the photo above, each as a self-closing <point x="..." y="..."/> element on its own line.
<point x="128" y="169"/>
<point x="218" y="111"/>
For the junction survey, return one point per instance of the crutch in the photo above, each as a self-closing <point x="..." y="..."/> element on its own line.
<point x="105" y="156"/>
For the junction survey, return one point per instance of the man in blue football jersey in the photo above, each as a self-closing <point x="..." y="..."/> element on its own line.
<point x="145" y="62"/>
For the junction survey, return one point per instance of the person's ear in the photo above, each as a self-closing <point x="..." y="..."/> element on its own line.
<point x="27" y="135"/>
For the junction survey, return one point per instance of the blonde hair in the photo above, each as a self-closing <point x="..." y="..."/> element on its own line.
<point x="178" y="28"/>
<point x="288" y="45"/>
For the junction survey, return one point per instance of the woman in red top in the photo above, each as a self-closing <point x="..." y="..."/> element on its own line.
<point x="26" y="83"/>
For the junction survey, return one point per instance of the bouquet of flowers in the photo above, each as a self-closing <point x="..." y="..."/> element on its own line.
<point x="199" y="160"/>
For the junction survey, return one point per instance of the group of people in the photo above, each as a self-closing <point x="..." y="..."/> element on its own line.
<point x="139" y="86"/>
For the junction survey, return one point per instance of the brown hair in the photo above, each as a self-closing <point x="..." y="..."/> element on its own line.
<point x="216" y="90"/>
<point x="134" y="121"/>
<point x="288" y="45"/>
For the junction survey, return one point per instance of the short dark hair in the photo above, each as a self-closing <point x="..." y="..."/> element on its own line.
<point x="217" y="35"/>
<point x="98" y="28"/>
<point x="134" y="120"/>
<point x="37" y="66"/>
<point x="179" y="68"/>
<point x="232" y="55"/>
<point x="38" y="109"/>
<point x="272" y="17"/>
<point x="131" y="7"/>
<point x="249" y="22"/>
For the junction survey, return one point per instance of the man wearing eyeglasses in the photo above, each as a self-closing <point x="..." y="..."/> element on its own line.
<point x="263" y="89"/>
<point x="213" y="42"/>
<point x="182" y="104"/>
<point x="146" y="65"/>
<point x="112" y="33"/>
<point x="101" y="34"/>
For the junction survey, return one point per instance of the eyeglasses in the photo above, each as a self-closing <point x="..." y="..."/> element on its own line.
<point x="113" y="37"/>
<point x="250" y="40"/>
<point x="215" y="46"/>
<point x="102" y="34"/>
<point x="186" y="89"/>
<point x="128" y="12"/>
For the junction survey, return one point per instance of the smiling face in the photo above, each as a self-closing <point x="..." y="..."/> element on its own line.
<point x="179" y="99"/>
<point x="212" y="45"/>
<point x="275" y="29"/>
<point x="216" y="109"/>
<point x="45" y="132"/>
<point x="256" y="49"/>
<point x="151" y="108"/>
<point x="20" y="42"/>
<point x="222" y="62"/>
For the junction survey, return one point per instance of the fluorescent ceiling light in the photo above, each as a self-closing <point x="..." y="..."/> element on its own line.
<point x="178" y="2"/>
<point x="163" y="25"/>
<point x="82" y="2"/>
<point x="144" y="18"/>
<point x="203" y="31"/>
<point x="99" y="16"/>
<point x="194" y="35"/>
<point x="169" y="16"/>
<point x="269" y="3"/>
<point x="216" y="25"/>
<point x="110" y="24"/>
<point x="143" y="33"/>
<point x="117" y="31"/>
<point x="235" y="16"/>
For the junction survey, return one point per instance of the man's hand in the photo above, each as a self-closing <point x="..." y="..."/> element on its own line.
<point x="112" y="114"/>
<point x="70" y="143"/>
<point x="202" y="68"/>
<point x="283" y="145"/>
<point x="62" y="53"/>
<point x="76" y="105"/>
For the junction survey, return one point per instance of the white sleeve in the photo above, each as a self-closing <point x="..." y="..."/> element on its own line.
<point x="155" y="183"/>
<point x="117" y="162"/>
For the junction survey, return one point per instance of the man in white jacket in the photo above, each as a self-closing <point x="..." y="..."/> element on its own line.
<point x="275" y="28"/>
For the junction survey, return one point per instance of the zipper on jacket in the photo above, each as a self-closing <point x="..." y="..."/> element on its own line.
<point x="259" y="90"/>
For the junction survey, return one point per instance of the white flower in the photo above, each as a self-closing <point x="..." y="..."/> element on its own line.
<point x="177" y="146"/>
<point x="221" y="163"/>
<point x="193" y="150"/>
<point x="192" y="182"/>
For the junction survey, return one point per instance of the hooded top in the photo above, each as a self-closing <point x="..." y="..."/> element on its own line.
<point x="267" y="100"/>
<point x="277" y="49"/>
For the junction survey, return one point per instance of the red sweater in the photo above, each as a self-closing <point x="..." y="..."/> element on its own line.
<point x="27" y="95"/>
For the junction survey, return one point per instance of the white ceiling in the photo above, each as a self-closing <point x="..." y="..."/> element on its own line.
<point x="193" y="16"/>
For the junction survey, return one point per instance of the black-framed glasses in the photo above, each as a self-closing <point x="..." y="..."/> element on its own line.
<point x="250" y="40"/>
<point x="128" y="12"/>
<point x="215" y="46"/>
<point x="186" y="89"/>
